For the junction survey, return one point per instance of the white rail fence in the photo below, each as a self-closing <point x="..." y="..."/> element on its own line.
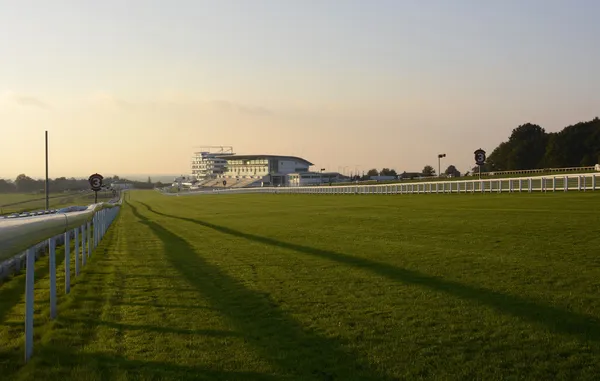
<point x="24" y="240"/>
<point x="557" y="183"/>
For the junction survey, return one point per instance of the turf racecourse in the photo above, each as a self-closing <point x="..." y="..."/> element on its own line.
<point x="318" y="287"/>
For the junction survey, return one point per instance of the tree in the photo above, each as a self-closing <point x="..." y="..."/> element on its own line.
<point x="498" y="159"/>
<point x="149" y="180"/>
<point x="372" y="172"/>
<point x="452" y="171"/>
<point x="25" y="183"/>
<point x="387" y="172"/>
<point x="528" y="147"/>
<point x="428" y="171"/>
<point x="525" y="149"/>
<point x="7" y="186"/>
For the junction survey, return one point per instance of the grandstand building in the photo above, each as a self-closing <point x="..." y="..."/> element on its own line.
<point x="226" y="169"/>
<point x="210" y="163"/>
<point x="260" y="170"/>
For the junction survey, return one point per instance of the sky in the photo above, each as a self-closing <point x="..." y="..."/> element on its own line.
<point x="135" y="86"/>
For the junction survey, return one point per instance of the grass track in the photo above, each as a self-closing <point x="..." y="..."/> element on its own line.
<point x="272" y="287"/>
<point x="20" y="202"/>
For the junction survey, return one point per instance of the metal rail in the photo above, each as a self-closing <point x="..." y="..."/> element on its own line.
<point x="24" y="239"/>
<point x="19" y="234"/>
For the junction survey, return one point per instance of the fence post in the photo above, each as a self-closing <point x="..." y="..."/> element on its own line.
<point x="566" y="183"/>
<point x="52" y="260"/>
<point x="579" y="183"/>
<point x="594" y="182"/>
<point x="76" y="251"/>
<point x="90" y="241"/>
<point x="530" y="185"/>
<point x="67" y="262"/>
<point x="554" y="184"/>
<point x="29" y="284"/>
<point x="83" y="255"/>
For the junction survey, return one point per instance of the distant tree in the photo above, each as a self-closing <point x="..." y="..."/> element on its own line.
<point x="576" y="145"/>
<point x="149" y="180"/>
<point x="525" y="149"/>
<point x="25" y="183"/>
<point x="452" y="171"/>
<point x="7" y="186"/>
<point x="372" y="172"/>
<point x="528" y="147"/>
<point x="498" y="159"/>
<point x="387" y="172"/>
<point x="428" y="171"/>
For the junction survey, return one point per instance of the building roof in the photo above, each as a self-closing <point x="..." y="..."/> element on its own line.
<point x="265" y="156"/>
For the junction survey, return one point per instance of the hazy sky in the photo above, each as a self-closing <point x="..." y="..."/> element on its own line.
<point x="128" y="86"/>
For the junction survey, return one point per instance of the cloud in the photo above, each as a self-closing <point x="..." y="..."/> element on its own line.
<point x="23" y="100"/>
<point x="29" y="101"/>
<point x="179" y="103"/>
<point x="238" y="108"/>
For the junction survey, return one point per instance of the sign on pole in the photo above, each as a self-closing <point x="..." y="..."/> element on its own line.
<point x="96" y="184"/>
<point x="480" y="159"/>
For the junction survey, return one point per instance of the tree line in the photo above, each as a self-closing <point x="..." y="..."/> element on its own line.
<point x="26" y="184"/>
<point x="531" y="147"/>
<point x="427" y="171"/>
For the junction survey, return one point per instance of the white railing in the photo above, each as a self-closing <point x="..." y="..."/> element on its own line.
<point x="556" y="183"/>
<point x="23" y="240"/>
<point x="540" y="170"/>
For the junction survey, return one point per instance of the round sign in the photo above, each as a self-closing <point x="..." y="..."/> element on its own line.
<point x="480" y="157"/>
<point x="96" y="182"/>
<point x="224" y="182"/>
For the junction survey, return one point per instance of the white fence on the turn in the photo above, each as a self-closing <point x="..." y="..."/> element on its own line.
<point x="556" y="183"/>
<point x="24" y="240"/>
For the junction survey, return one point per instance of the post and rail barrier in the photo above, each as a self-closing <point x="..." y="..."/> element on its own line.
<point x="24" y="240"/>
<point x="555" y="183"/>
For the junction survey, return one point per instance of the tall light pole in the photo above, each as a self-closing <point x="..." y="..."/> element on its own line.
<point x="440" y="156"/>
<point x="47" y="183"/>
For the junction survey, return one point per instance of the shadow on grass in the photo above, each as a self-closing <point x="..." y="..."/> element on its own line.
<point x="277" y="337"/>
<point x="153" y="305"/>
<point x="157" y="329"/>
<point x="12" y="360"/>
<point x="556" y="319"/>
<point x="114" y="367"/>
<point x="12" y="292"/>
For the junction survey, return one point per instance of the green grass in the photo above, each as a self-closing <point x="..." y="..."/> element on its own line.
<point x="21" y="202"/>
<point x="308" y="287"/>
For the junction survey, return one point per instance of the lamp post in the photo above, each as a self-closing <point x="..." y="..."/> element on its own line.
<point x="321" y="176"/>
<point x="440" y="156"/>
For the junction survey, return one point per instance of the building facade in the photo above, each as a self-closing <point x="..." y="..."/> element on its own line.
<point x="314" y="178"/>
<point x="209" y="165"/>
<point x="271" y="169"/>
